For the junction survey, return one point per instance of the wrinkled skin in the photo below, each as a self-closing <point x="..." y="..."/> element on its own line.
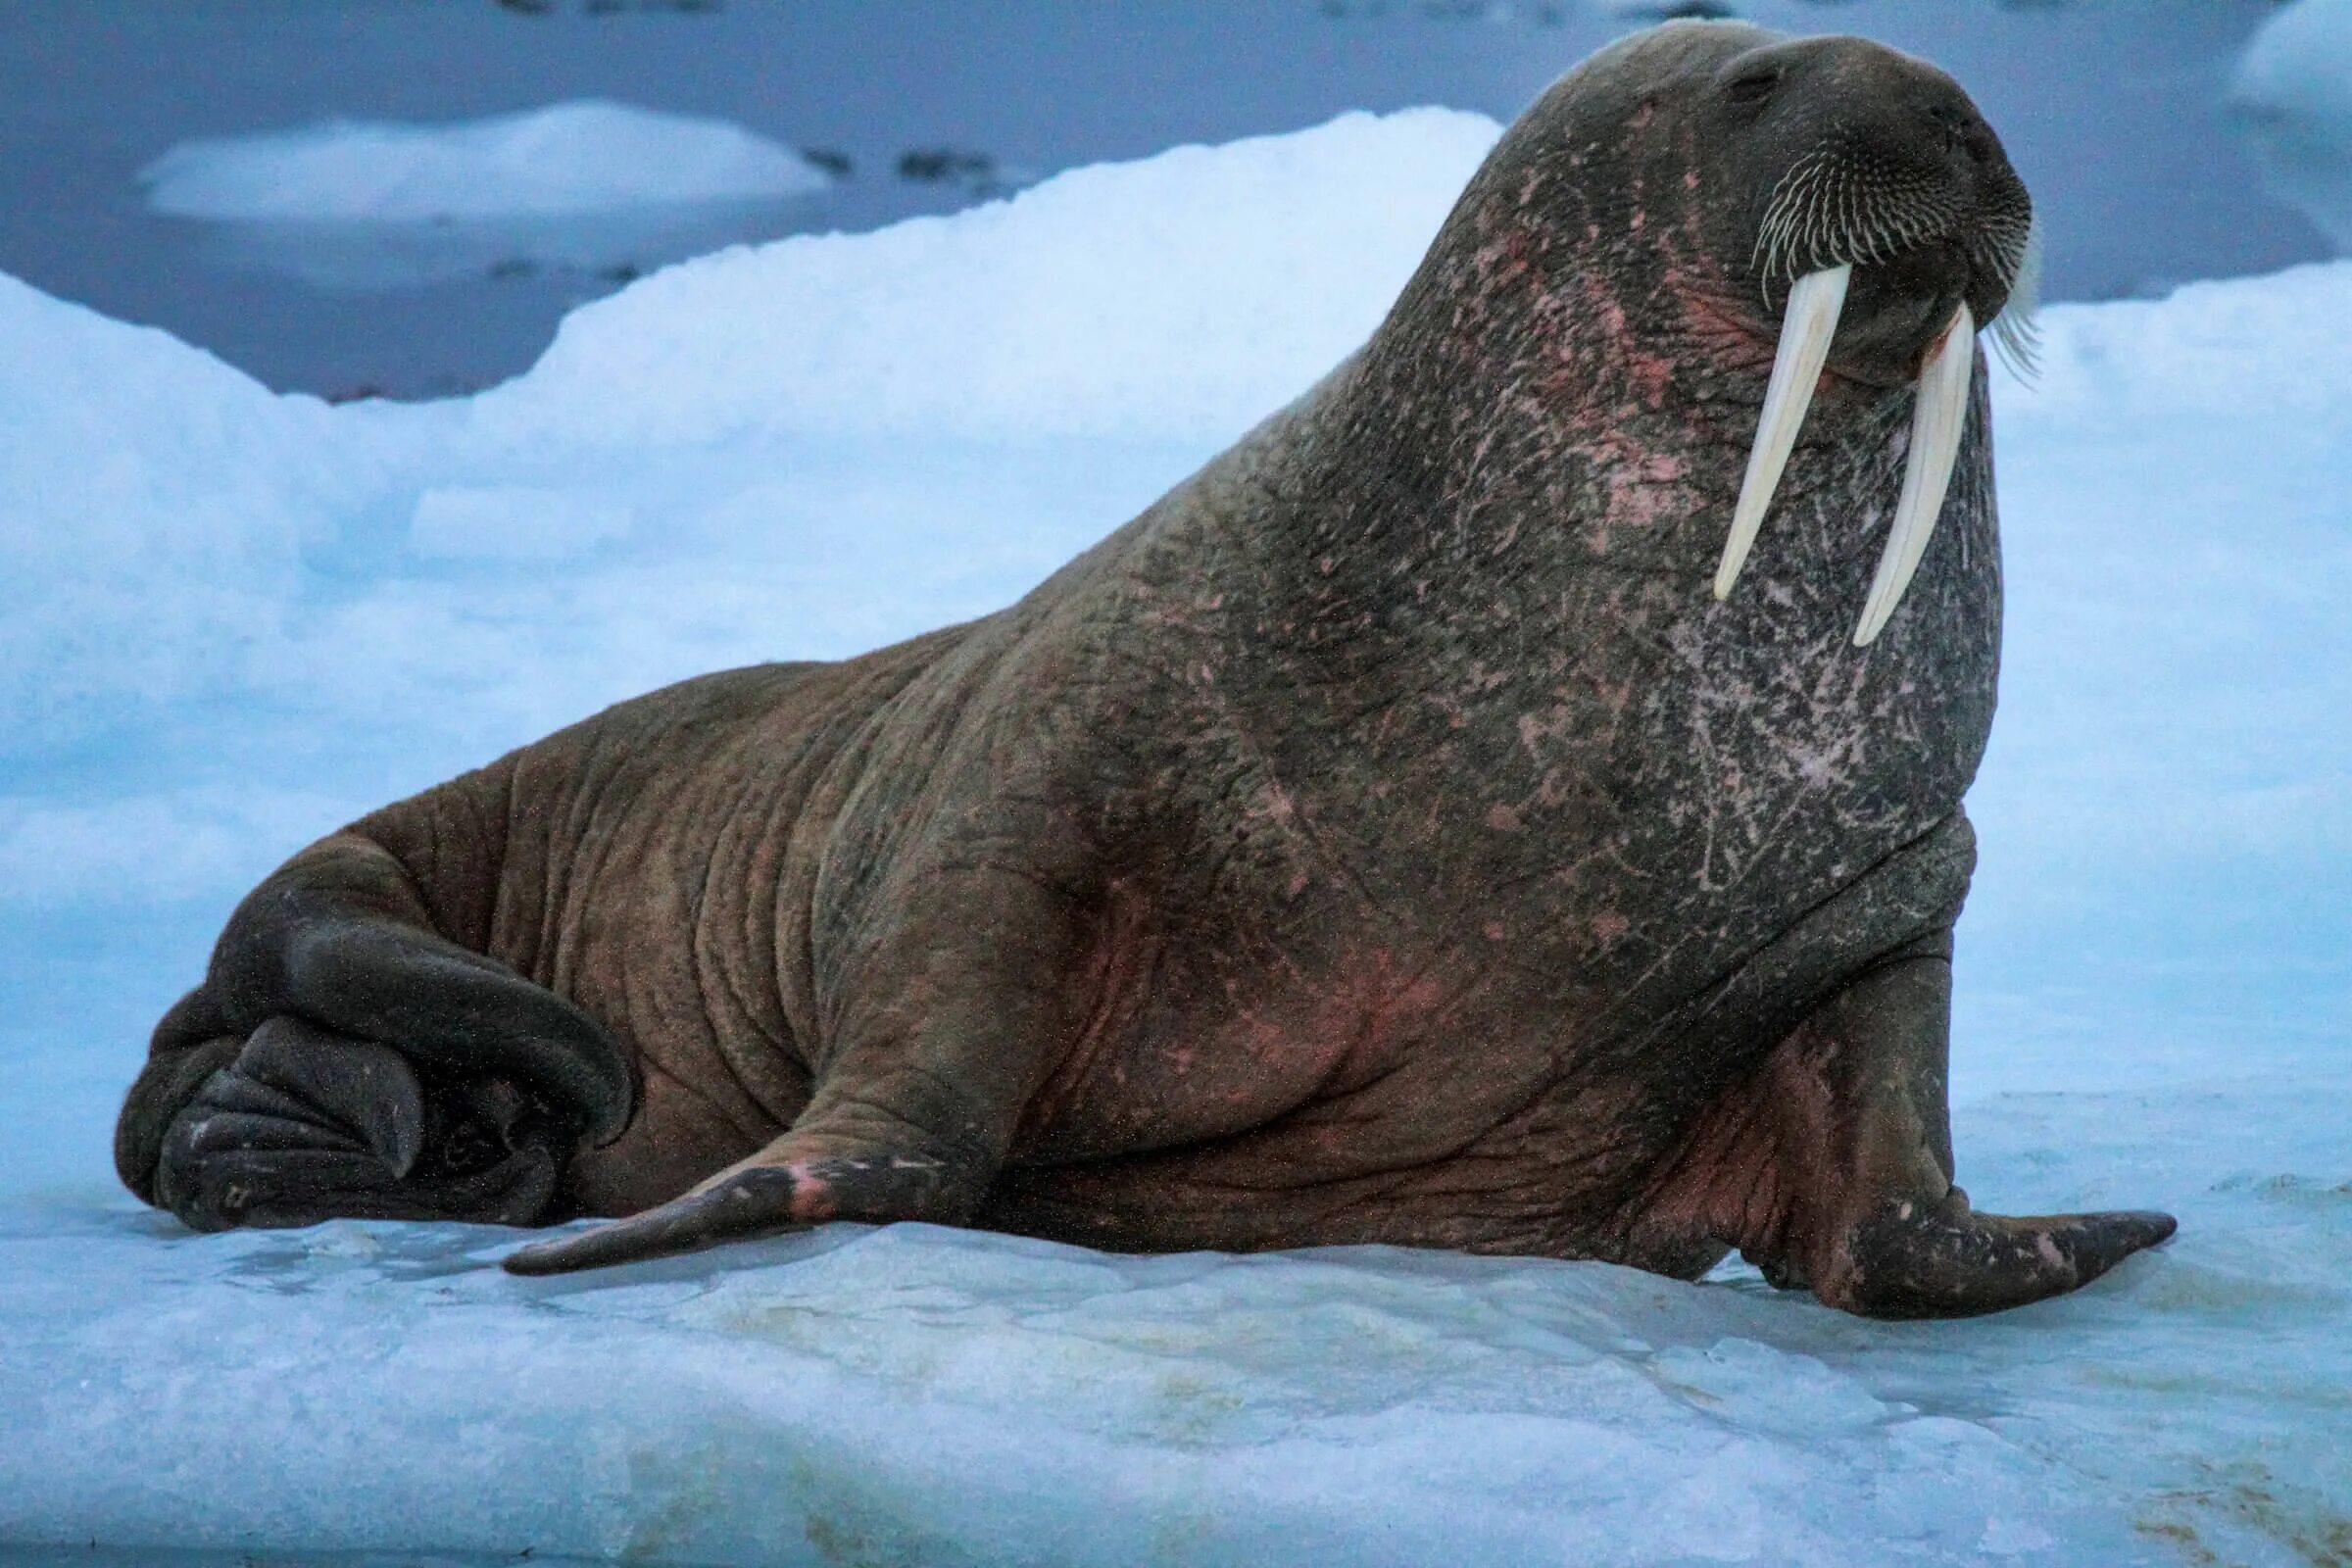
<point x="1384" y="838"/>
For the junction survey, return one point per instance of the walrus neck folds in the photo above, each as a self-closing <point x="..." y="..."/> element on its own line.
<point x="1555" y="415"/>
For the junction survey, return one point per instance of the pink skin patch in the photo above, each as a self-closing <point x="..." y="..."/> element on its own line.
<point x="812" y="1197"/>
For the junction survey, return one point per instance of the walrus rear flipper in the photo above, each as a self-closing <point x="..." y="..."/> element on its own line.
<point x="914" y="1146"/>
<point x="304" y="1124"/>
<point x="342" y="1060"/>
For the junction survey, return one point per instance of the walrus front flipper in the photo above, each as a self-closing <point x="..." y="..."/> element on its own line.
<point x="758" y="1197"/>
<point x="1831" y="1168"/>
<point x="941" y="1044"/>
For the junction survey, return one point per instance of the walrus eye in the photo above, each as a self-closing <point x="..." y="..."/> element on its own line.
<point x="1754" y="85"/>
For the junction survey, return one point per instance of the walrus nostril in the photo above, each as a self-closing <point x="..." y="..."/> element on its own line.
<point x="1962" y="132"/>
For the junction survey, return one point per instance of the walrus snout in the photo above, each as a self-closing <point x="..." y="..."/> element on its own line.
<point x="1892" y="227"/>
<point x="1897" y="308"/>
<point x="1873" y="159"/>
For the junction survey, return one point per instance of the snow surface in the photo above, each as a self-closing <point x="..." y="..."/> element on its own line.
<point x="2291" y="99"/>
<point x="583" y="184"/>
<point x="229" y="621"/>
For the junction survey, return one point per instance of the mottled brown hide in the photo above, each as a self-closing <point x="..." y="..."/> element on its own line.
<point x="1386" y="837"/>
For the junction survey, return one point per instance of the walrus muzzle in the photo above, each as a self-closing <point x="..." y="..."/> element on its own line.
<point x="1836" y="211"/>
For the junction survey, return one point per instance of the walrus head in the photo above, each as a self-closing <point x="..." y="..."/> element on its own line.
<point x="1709" y="205"/>
<point x="1882" y="211"/>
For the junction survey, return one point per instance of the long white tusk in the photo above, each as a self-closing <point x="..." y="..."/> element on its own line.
<point x="1936" y="420"/>
<point x="1814" y="305"/>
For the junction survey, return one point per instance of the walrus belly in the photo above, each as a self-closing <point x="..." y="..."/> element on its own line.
<point x="1412" y="1103"/>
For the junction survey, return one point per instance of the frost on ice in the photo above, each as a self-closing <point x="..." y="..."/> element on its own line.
<point x="229" y="621"/>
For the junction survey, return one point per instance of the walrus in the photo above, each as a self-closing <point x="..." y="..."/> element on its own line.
<point x="1510" y="802"/>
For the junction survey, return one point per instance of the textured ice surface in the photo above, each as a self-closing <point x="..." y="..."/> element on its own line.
<point x="229" y="621"/>
<point x="2291" y="99"/>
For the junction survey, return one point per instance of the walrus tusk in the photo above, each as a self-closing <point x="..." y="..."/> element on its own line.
<point x="1936" y="420"/>
<point x="1814" y="305"/>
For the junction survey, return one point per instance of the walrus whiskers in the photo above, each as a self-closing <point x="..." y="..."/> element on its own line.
<point x="2015" y="253"/>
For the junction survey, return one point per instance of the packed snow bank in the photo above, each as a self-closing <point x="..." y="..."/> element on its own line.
<point x="157" y="508"/>
<point x="2292" y="98"/>
<point x="582" y="157"/>
<point x="232" y="619"/>
<point x="1123" y="300"/>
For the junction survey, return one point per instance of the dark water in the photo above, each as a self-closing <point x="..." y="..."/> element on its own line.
<point x="2108" y="109"/>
